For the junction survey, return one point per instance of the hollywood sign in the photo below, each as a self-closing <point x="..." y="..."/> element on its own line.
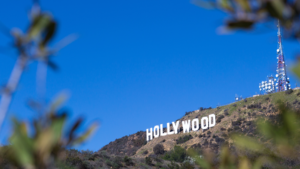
<point x="206" y="122"/>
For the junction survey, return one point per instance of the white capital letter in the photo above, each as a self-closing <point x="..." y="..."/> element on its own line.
<point x="162" y="131"/>
<point x="195" y="128"/>
<point x="149" y="134"/>
<point x="213" y="118"/>
<point x="202" y="123"/>
<point x="175" y="126"/>
<point x="156" y="134"/>
<point x="168" y="129"/>
<point x="186" y="126"/>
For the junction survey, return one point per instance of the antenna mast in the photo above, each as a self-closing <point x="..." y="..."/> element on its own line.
<point x="283" y="81"/>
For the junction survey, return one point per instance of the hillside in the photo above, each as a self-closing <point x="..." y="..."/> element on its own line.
<point x="127" y="145"/>
<point x="236" y="117"/>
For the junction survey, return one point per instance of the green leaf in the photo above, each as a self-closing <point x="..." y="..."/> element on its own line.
<point x="49" y="32"/>
<point x="58" y="101"/>
<point x="38" y="25"/>
<point x="249" y="143"/>
<point x="73" y="129"/>
<point x="258" y="163"/>
<point x="22" y="145"/>
<point x="296" y="69"/>
<point x="275" y="8"/>
<point x="226" y="4"/>
<point x="57" y="128"/>
<point x="244" y="4"/>
<point x="244" y="24"/>
<point x="86" y="134"/>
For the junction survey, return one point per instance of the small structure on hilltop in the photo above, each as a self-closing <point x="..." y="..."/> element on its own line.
<point x="268" y="86"/>
<point x="237" y="98"/>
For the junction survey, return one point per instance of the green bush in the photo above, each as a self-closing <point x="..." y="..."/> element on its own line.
<point x="117" y="162"/>
<point x="148" y="161"/>
<point x="109" y="163"/>
<point x="74" y="161"/>
<point x="128" y="161"/>
<point x="158" y="149"/>
<point x="184" y="139"/>
<point x="187" y="165"/>
<point x="290" y="91"/>
<point x="59" y="165"/>
<point x="178" y="154"/>
<point x="173" y="165"/>
<point x="139" y="142"/>
<point x="86" y="165"/>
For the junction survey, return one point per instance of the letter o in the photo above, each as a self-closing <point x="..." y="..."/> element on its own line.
<point x="195" y="127"/>
<point x="202" y="123"/>
<point x="156" y="131"/>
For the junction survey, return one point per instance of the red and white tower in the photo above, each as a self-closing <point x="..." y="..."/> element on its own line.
<point x="283" y="82"/>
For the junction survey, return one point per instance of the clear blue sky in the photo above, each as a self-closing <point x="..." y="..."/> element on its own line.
<point x="141" y="63"/>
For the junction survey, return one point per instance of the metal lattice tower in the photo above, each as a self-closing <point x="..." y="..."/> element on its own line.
<point x="283" y="82"/>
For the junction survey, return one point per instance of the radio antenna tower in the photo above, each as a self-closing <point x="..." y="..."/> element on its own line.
<point x="283" y="82"/>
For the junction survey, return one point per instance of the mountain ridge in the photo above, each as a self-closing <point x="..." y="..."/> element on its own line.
<point x="235" y="117"/>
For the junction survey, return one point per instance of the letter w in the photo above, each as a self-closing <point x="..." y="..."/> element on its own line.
<point x="186" y="126"/>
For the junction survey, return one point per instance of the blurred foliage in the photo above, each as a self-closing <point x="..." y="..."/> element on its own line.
<point x="33" y="44"/>
<point x="44" y="145"/>
<point x="39" y="144"/>
<point x="283" y="134"/>
<point x="279" y="147"/>
<point x="244" y="14"/>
